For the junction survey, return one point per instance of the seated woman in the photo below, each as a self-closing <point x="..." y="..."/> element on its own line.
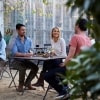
<point x="59" y="49"/>
<point x="2" y="52"/>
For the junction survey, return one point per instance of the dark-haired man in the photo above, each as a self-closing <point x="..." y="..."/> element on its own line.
<point x="78" y="41"/>
<point x="21" y="48"/>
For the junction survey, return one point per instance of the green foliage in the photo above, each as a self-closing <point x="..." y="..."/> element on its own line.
<point x="84" y="70"/>
<point x="45" y="2"/>
<point x="84" y="73"/>
<point x="9" y="7"/>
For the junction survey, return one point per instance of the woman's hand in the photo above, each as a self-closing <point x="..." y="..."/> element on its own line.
<point x="52" y="54"/>
<point x="62" y="64"/>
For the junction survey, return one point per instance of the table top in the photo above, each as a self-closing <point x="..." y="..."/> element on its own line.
<point x="39" y="58"/>
<point x="40" y="48"/>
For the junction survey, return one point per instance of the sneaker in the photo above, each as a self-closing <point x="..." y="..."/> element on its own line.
<point x="66" y="97"/>
<point x="67" y="88"/>
<point x="62" y="97"/>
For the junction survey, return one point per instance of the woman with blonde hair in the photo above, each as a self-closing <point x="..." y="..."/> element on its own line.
<point x="58" y="43"/>
<point x="58" y="49"/>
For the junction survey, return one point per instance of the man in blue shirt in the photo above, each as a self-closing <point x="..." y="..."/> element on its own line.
<point x="21" y="48"/>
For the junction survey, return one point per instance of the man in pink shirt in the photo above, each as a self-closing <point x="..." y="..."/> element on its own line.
<point x="78" y="41"/>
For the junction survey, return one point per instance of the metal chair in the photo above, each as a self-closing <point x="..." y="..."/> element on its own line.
<point x="3" y="69"/>
<point x="46" y="92"/>
<point x="47" y="45"/>
<point x="14" y="76"/>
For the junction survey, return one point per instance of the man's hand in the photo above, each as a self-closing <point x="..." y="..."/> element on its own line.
<point x="28" y="54"/>
<point x="69" y="57"/>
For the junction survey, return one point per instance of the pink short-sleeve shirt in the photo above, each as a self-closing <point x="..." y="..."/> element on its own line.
<point x="78" y="41"/>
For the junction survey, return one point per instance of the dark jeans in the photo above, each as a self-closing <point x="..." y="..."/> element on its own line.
<point x="53" y="79"/>
<point x="22" y="66"/>
<point x="51" y="64"/>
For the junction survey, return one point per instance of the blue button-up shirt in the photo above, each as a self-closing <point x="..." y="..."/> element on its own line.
<point x="21" y="47"/>
<point x="2" y="49"/>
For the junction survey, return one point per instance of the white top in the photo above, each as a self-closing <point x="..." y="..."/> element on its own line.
<point x="59" y="47"/>
<point x="93" y="41"/>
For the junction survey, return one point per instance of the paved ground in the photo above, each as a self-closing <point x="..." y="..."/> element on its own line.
<point x="11" y="94"/>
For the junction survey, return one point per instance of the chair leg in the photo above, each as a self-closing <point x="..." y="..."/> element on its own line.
<point x="37" y="65"/>
<point x="46" y="92"/>
<point x="4" y="67"/>
<point x="6" y="72"/>
<point x="2" y="71"/>
<point x="13" y="78"/>
<point x="1" y="75"/>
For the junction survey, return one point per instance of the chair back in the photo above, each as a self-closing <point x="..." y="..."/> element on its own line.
<point x="67" y="49"/>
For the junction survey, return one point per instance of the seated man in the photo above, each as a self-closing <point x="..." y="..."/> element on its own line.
<point x="2" y="52"/>
<point x="78" y="40"/>
<point x="21" y="48"/>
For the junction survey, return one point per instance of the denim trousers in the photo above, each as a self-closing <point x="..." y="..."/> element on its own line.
<point x="54" y="79"/>
<point x="22" y="66"/>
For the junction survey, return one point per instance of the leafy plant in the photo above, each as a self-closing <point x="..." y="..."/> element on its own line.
<point x="84" y="70"/>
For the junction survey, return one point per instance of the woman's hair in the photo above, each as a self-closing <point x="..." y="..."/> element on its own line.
<point x="0" y="36"/>
<point x="53" y="30"/>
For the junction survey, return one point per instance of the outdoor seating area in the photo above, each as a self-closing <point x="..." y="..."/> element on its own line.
<point x="49" y="49"/>
<point x="11" y="94"/>
<point x="11" y="73"/>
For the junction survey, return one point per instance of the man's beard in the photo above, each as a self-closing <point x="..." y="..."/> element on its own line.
<point x="22" y="35"/>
